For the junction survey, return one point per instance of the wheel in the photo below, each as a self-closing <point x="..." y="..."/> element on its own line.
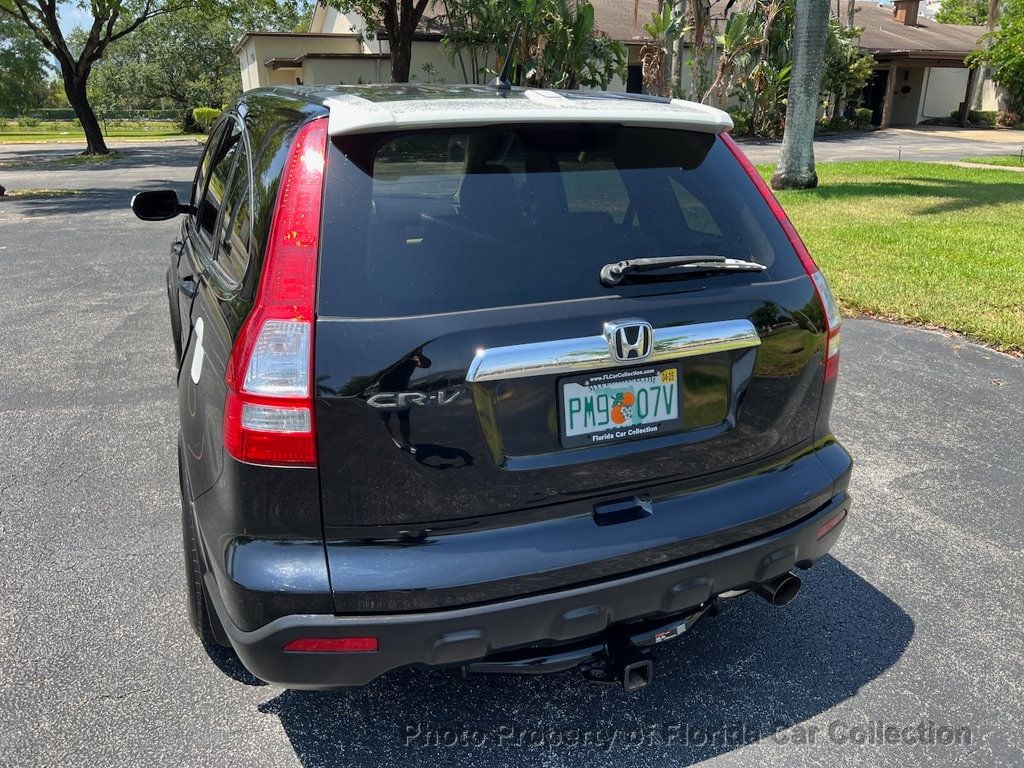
<point x="203" y="619"/>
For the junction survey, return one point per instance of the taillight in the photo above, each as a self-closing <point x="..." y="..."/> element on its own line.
<point x="268" y="416"/>
<point x="830" y="309"/>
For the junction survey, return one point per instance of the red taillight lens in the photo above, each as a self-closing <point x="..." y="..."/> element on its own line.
<point x="268" y="416"/>
<point x="830" y="309"/>
<point x="332" y="645"/>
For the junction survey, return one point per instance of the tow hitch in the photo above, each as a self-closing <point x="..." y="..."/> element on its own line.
<point x="616" y="659"/>
<point x="625" y="664"/>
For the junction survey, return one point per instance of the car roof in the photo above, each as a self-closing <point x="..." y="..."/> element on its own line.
<point x="373" y="108"/>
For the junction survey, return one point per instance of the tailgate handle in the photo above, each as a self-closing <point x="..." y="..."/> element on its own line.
<point x="623" y="510"/>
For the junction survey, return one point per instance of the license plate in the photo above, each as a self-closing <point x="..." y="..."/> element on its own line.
<point x="615" y="406"/>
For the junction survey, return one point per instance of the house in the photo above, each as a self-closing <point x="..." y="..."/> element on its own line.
<point x="338" y="48"/>
<point x="920" y="71"/>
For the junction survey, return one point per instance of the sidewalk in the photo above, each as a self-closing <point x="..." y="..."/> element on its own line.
<point x="981" y="135"/>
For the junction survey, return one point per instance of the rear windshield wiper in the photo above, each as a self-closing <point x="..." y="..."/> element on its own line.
<point x="613" y="274"/>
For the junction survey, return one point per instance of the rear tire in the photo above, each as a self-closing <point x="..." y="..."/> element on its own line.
<point x="200" y="614"/>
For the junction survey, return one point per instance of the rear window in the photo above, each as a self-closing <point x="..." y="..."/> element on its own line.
<point x="440" y="221"/>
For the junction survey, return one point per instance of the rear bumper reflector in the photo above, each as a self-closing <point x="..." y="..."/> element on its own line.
<point x="331" y="645"/>
<point x="828" y="525"/>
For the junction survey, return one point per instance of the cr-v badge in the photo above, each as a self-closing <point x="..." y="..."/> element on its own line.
<point x="396" y="400"/>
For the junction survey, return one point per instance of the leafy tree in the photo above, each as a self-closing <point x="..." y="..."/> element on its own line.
<point x="111" y="21"/>
<point x="184" y="59"/>
<point x="23" y="69"/>
<point x="973" y="12"/>
<point x="1005" y="53"/>
<point x="399" y="18"/>
<point x="810" y="38"/>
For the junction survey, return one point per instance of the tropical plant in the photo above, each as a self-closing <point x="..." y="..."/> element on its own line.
<point x="847" y="68"/>
<point x="574" y="54"/>
<point x="558" y="45"/>
<point x="667" y="25"/>
<point x="475" y="30"/>
<point x="754" y="64"/>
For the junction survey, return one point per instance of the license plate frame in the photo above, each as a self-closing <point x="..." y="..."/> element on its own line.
<point x="611" y="383"/>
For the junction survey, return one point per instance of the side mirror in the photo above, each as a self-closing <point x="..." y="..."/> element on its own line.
<point x="158" y="205"/>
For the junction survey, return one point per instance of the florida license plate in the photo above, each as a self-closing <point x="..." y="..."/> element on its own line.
<point x="615" y="406"/>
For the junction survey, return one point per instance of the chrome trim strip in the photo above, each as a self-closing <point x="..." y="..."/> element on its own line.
<point x="591" y="353"/>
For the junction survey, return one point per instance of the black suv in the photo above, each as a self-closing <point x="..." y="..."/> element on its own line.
<point x="505" y="381"/>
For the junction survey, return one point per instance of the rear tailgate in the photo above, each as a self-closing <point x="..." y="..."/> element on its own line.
<point x="461" y="365"/>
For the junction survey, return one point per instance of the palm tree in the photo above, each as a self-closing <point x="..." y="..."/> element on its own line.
<point x="810" y="35"/>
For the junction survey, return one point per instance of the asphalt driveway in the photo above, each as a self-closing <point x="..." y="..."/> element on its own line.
<point x="910" y="632"/>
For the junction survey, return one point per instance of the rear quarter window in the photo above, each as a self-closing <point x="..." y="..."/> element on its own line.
<point x="438" y="221"/>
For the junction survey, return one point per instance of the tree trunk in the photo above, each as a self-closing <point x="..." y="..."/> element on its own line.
<point x="74" y="88"/>
<point x="401" y="56"/>
<point x="796" y="160"/>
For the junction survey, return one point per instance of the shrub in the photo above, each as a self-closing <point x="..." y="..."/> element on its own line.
<point x="205" y="117"/>
<point x="1008" y="119"/>
<point x="28" y="122"/>
<point x="836" y="124"/>
<point x="862" y="117"/>
<point x="741" y="122"/>
<point x="54" y="114"/>
<point x="977" y="116"/>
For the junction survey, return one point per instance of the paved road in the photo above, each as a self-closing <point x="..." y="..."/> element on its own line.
<point x="919" y="144"/>
<point x="916" y="618"/>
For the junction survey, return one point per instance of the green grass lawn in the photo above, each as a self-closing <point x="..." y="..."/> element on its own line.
<point x="935" y="244"/>
<point x="1014" y="161"/>
<point x="67" y="130"/>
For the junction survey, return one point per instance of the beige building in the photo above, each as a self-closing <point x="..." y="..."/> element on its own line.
<point x="920" y="63"/>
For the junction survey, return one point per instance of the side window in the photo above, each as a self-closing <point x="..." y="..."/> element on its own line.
<point x="216" y="186"/>
<point x="233" y="250"/>
<point x="206" y="161"/>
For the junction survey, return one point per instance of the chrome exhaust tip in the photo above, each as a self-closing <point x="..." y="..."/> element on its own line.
<point x="781" y="590"/>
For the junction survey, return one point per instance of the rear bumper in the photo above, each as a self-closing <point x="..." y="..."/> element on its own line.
<point x="463" y="635"/>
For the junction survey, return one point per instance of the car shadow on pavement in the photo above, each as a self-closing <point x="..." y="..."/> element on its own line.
<point x="90" y="200"/>
<point x="739" y="677"/>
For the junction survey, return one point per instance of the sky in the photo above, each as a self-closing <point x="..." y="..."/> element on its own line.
<point x="72" y="16"/>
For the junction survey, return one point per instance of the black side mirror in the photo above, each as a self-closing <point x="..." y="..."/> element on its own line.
<point x="158" y="205"/>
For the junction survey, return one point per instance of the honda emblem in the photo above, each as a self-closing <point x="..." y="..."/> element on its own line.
<point x="629" y="340"/>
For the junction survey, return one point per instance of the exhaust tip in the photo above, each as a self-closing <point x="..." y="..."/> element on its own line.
<point x="780" y="591"/>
